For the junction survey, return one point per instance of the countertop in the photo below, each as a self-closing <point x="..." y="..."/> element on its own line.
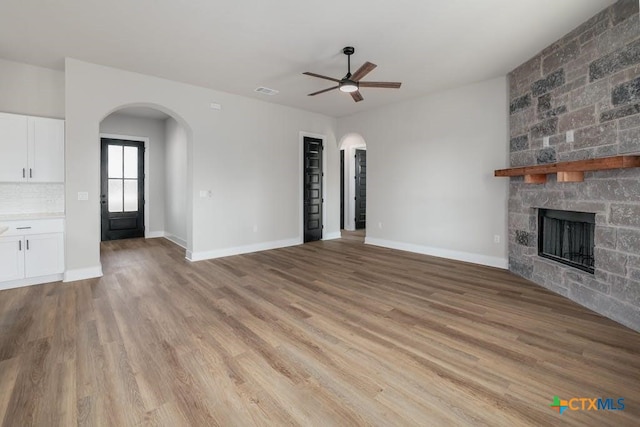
<point x="26" y="216"/>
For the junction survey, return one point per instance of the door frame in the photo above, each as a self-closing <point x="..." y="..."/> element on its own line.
<point x="147" y="194"/>
<point x="323" y="138"/>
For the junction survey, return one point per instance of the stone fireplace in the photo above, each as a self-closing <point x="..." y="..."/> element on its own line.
<point x="580" y="99"/>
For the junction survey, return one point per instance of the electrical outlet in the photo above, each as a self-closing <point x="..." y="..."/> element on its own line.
<point x="570" y="136"/>
<point x="83" y="195"/>
<point x="496" y="238"/>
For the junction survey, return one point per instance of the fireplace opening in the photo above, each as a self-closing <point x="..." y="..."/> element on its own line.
<point x="567" y="237"/>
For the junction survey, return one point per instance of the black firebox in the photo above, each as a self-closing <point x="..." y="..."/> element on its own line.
<point x="567" y="237"/>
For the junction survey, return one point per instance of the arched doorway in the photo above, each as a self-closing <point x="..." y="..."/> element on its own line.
<point x="353" y="182"/>
<point x="162" y="141"/>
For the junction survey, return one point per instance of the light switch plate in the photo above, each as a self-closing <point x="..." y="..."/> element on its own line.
<point x="83" y="195"/>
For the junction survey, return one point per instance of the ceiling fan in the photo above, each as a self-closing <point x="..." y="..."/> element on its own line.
<point x="351" y="83"/>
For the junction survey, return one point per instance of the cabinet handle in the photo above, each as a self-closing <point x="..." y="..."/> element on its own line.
<point x="19" y="245"/>
<point x="30" y="173"/>
<point x="24" y="175"/>
<point x="23" y="228"/>
<point x="27" y="245"/>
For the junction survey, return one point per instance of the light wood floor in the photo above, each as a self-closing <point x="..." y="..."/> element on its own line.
<point x="329" y="333"/>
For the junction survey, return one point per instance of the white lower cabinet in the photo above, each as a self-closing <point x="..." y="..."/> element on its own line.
<point x="11" y="258"/>
<point x="31" y="252"/>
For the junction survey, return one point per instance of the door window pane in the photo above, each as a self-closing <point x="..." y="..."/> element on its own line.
<point x="130" y="195"/>
<point x="115" y="161"/>
<point x="115" y="195"/>
<point x="130" y="162"/>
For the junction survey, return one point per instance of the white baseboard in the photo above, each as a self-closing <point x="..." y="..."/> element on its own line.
<point x="256" y="247"/>
<point x="331" y="236"/>
<point x="441" y="253"/>
<point x="82" y="273"/>
<point x="30" y="281"/>
<point x="175" y="239"/>
<point x="154" y="234"/>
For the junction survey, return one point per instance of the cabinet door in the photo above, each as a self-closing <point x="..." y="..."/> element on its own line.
<point x="44" y="254"/>
<point x="11" y="258"/>
<point x="46" y="150"/>
<point x="13" y="147"/>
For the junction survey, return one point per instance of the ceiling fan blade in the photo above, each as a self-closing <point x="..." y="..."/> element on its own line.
<point x="357" y="96"/>
<point x="321" y="77"/>
<point x="389" y="85"/>
<point x="323" y="91"/>
<point x="365" y="69"/>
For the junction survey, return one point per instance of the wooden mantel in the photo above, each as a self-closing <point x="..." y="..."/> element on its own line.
<point x="570" y="171"/>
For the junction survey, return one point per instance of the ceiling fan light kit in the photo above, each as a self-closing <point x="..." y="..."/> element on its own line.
<point x="351" y="83"/>
<point x="348" y="86"/>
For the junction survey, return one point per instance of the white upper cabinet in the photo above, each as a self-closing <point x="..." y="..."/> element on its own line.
<point x="14" y="137"/>
<point x="31" y="149"/>
<point x="46" y="150"/>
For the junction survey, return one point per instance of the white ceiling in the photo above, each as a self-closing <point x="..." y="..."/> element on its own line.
<point x="236" y="46"/>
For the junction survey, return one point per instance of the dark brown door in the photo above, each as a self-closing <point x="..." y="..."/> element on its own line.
<point x="341" y="189"/>
<point x="312" y="161"/>
<point x="361" y="189"/>
<point x="122" y="189"/>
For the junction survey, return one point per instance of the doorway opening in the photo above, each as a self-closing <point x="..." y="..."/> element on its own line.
<point x="160" y="143"/>
<point x="353" y="186"/>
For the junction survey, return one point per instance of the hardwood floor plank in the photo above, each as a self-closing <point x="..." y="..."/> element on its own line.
<point x="327" y="333"/>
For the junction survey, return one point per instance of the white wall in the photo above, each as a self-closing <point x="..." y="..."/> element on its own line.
<point x="247" y="154"/>
<point x="35" y="91"/>
<point x="176" y="182"/>
<point x="430" y="164"/>
<point x="349" y="144"/>
<point x="119" y="124"/>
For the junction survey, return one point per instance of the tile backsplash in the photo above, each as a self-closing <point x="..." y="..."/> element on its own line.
<point x="18" y="198"/>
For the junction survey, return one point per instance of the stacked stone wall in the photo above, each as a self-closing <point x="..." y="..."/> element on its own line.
<point x="586" y="84"/>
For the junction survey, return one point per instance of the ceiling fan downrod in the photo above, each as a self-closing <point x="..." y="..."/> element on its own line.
<point x="349" y="50"/>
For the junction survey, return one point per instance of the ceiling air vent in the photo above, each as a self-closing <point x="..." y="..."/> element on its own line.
<point x="266" y="91"/>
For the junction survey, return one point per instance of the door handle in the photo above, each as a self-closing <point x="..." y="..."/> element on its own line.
<point x="19" y="245"/>
<point x="24" y="173"/>
<point x="27" y="245"/>
<point x="30" y="173"/>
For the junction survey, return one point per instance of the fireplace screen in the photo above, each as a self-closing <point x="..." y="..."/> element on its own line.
<point x="567" y="237"/>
